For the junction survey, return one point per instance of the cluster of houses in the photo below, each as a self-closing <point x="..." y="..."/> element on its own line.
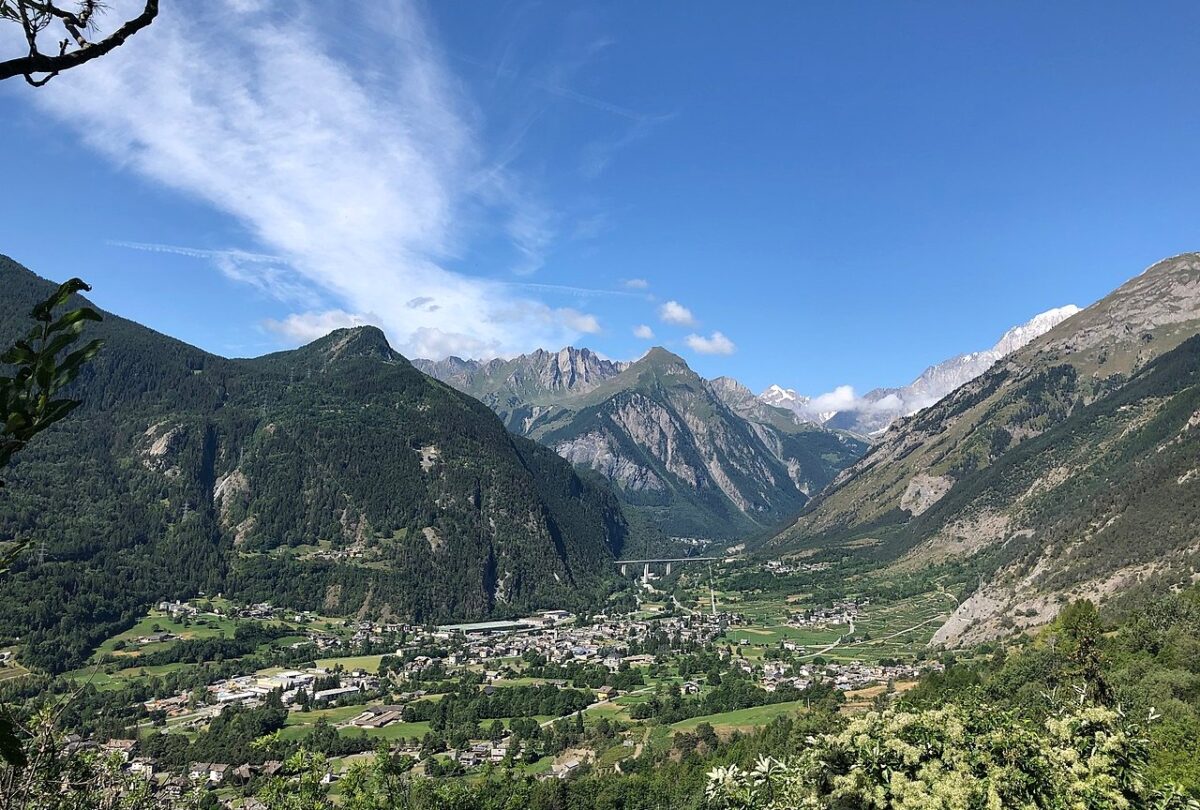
<point x="481" y="754"/>
<point x="843" y="611"/>
<point x="251" y="690"/>
<point x="843" y="676"/>
<point x="197" y="774"/>
<point x="787" y="567"/>
<point x="606" y="641"/>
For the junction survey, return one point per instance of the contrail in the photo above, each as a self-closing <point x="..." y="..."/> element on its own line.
<point x="198" y="253"/>
<point x="569" y="289"/>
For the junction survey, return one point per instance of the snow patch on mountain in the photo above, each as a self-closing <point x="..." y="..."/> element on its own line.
<point x="873" y="412"/>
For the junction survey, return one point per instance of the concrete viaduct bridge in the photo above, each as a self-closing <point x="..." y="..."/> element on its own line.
<point x="668" y="562"/>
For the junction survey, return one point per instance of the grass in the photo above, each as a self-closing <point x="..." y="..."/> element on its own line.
<point x="896" y="629"/>
<point x="394" y="731"/>
<point x="155" y="671"/>
<point x="299" y="724"/>
<point x="741" y="719"/>
<point x="367" y="663"/>
<point x="200" y="627"/>
<point x="11" y="669"/>
<point x="543" y="765"/>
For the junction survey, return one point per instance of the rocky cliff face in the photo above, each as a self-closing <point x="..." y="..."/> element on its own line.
<point x="536" y="378"/>
<point x="700" y="459"/>
<point x="1064" y="470"/>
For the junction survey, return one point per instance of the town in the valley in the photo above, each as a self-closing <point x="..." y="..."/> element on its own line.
<point x="547" y="694"/>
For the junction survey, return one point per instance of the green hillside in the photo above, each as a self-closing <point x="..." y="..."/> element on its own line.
<point x="1067" y="470"/>
<point x="335" y="476"/>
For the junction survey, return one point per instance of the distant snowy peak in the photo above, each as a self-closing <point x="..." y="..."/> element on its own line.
<point x="782" y="397"/>
<point x="1035" y="327"/>
<point x="788" y="399"/>
<point x="802" y="406"/>
<point x="872" y="413"/>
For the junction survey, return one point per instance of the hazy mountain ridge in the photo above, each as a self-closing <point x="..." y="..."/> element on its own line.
<point x="1019" y="472"/>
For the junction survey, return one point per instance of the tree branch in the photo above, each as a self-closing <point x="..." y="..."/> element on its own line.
<point x="52" y="65"/>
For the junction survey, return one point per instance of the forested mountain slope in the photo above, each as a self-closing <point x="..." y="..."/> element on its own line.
<point x="335" y="477"/>
<point x="1069" y="469"/>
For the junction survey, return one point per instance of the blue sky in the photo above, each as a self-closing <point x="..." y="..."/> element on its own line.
<point x="828" y="194"/>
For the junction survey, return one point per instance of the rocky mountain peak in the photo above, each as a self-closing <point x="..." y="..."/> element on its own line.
<point x="1032" y="329"/>
<point x="729" y="386"/>
<point x="356" y="341"/>
<point x="661" y="358"/>
<point x="1150" y="313"/>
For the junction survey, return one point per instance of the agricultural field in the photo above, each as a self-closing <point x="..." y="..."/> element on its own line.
<point x="881" y="628"/>
<point x="365" y="663"/>
<point x="11" y="668"/>
<point x="126" y="643"/>
<point x="741" y="719"/>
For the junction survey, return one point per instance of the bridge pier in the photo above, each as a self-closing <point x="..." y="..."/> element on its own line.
<point x="624" y="569"/>
<point x="668" y="569"/>
<point x="646" y="572"/>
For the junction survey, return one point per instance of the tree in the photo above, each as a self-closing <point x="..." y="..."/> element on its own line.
<point x="75" y="22"/>
<point x="58" y="778"/>
<point x="29" y="405"/>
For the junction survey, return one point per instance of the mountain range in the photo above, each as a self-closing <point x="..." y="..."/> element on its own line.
<point x="872" y="413"/>
<point x="689" y="457"/>
<point x="1068" y="469"/>
<point x="334" y="477"/>
<point x="341" y="477"/>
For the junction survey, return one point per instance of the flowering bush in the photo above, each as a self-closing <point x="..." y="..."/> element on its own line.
<point x="954" y="758"/>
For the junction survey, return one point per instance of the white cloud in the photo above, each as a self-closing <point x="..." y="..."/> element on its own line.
<point x="354" y="167"/>
<point x="676" y="313"/>
<point x="644" y="332"/>
<point x="579" y="321"/>
<point x="717" y="343"/>
<point x="637" y="283"/>
<point x="841" y="398"/>
<point x="305" y="327"/>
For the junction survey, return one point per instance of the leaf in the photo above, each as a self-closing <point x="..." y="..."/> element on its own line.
<point x="69" y="368"/>
<point x="56" y="411"/>
<point x="19" y="354"/>
<point x="11" y="555"/>
<point x="44" y="311"/>
<point x="75" y="317"/>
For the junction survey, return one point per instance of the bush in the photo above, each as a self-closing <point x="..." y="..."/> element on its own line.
<point x="953" y="757"/>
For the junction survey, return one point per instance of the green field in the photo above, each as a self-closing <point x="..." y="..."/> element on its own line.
<point x="300" y="723"/>
<point x="741" y="718"/>
<point x="897" y="629"/>
<point x="200" y="627"/>
<point x="367" y="663"/>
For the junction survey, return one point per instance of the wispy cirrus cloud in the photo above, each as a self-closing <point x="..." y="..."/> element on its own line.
<point x="351" y="172"/>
